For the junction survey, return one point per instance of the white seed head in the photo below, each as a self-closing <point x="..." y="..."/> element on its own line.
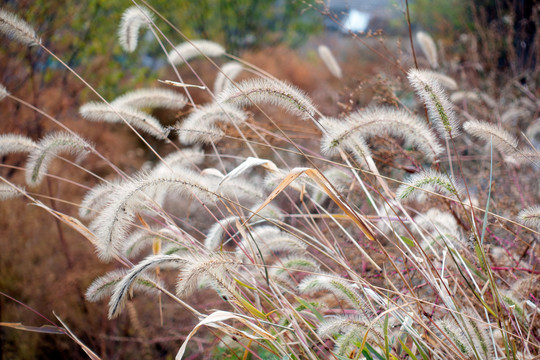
<point x="430" y="180"/>
<point x="530" y="217"/>
<point x="10" y="191"/>
<point x="341" y="135"/>
<point x="502" y="139"/>
<point x="3" y="92"/>
<point x="17" y="29"/>
<point x="228" y="73"/>
<point x="47" y="149"/>
<point x="13" y="143"/>
<point x="273" y="92"/>
<point x="133" y="19"/>
<point x="330" y="61"/>
<point x="439" y="106"/>
<point x="94" y="111"/>
<point x="200" y="125"/>
<point x="460" y="96"/>
<point x="428" y="48"/>
<point x="189" y="50"/>
<point x="398" y="123"/>
<point x="152" y="98"/>
<point x="113" y="223"/>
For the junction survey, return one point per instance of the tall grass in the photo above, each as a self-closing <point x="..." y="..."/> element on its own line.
<point x="379" y="237"/>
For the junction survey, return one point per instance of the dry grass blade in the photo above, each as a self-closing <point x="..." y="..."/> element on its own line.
<point x="328" y="188"/>
<point x="45" y="329"/>
<point x="215" y="320"/>
<point x="85" y="348"/>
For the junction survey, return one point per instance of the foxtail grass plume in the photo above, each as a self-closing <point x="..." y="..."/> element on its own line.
<point x="143" y="239"/>
<point x="200" y="125"/>
<point x="339" y="287"/>
<point x="530" y="216"/>
<point x="428" y="48"/>
<point x="13" y="143"/>
<point x="3" y="92"/>
<point x="445" y="81"/>
<point x="502" y="139"/>
<point x="273" y="92"/>
<point x="469" y="335"/>
<point x="111" y="226"/>
<point x="179" y="160"/>
<point x="47" y="149"/>
<point x="213" y="270"/>
<point x="514" y="114"/>
<point x="104" y="285"/>
<point x="97" y="198"/>
<point x="294" y="263"/>
<point x="10" y="191"/>
<point x="399" y="123"/>
<point x="440" y="225"/>
<point x="269" y="240"/>
<point x="352" y="329"/>
<point x="133" y="19"/>
<point x="94" y="111"/>
<point x="440" y="108"/>
<point x="460" y="96"/>
<point x="429" y="180"/>
<point x="151" y="98"/>
<point x="330" y="61"/>
<point x="228" y="73"/>
<point x="189" y="50"/>
<point x="122" y="288"/>
<point x="215" y="234"/>
<point x="340" y="135"/>
<point x="17" y="29"/>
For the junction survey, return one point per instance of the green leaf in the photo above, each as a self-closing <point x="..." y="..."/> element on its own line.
<point x="408" y="241"/>
<point x="407" y="350"/>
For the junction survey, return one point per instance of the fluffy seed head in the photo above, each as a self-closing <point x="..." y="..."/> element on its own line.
<point x="47" y="149"/>
<point x="502" y="139"/>
<point x="272" y="92"/>
<point x="428" y="48"/>
<point x="97" y="198"/>
<point x="152" y="98"/>
<point x="17" y="29"/>
<point x="189" y="50"/>
<point x="339" y="287"/>
<point x="440" y="108"/>
<point x="340" y="134"/>
<point x="330" y="61"/>
<point x="214" y="270"/>
<point x="116" y="114"/>
<point x="430" y="180"/>
<point x="8" y="191"/>
<point x="3" y="92"/>
<point x="228" y="73"/>
<point x="200" y="125"/>
<point x="460" y="96"/>
<point x="133" y="19"/>
<point x="513" y="114"/>
<point x="399" y="123"/>
<point x="269" y="240"/>
<point x="113" y="223"/>
<point x="104" y="285"/>
<point x="13" y="143"/>
<point x="530" y="216"/>
<point x="445" y="81"/>
<point x="134" y="276"/>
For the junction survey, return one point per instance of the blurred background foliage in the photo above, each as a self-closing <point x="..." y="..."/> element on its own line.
<point x="90" y="44"/>
<point x="505" y="30"/>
